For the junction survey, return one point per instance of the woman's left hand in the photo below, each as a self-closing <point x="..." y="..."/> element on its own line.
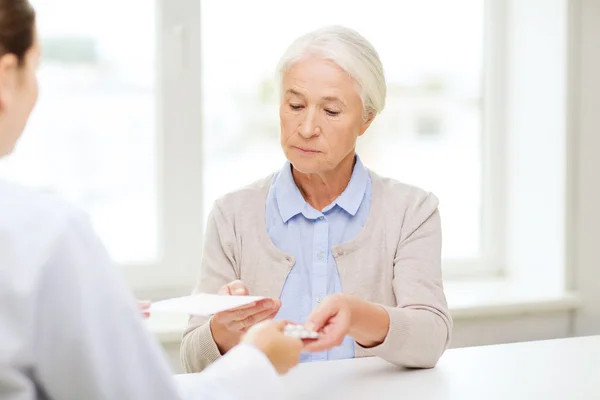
<point x="332" y="319"/>
<point x="342" y="315"/>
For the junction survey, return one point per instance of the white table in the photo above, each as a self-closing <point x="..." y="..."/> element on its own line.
<point x="565" y="369"/>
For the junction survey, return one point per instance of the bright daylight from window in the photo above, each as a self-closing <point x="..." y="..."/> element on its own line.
<point x="93" y="135"/>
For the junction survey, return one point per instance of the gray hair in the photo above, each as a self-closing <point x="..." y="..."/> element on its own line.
<point x="351" y="52"/>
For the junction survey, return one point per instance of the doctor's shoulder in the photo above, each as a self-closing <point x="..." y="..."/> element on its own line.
<point x="33" y="221"/>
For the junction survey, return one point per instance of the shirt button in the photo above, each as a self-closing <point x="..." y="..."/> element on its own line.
<point x="321" y="218"/>
<point x="320" y="255"/>
<point x="319" y="299"/>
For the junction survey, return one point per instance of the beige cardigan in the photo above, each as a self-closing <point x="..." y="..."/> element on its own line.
<point x="394" y="261"/>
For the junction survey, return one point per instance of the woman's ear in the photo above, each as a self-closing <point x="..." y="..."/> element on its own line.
<point x="366" y="123"/>
<point x="9" y="64"/>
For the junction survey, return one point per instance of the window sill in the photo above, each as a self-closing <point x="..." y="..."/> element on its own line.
<point x="467" y="300"/>
<point x="502" y="297"/>
<point x="168" y="328"/>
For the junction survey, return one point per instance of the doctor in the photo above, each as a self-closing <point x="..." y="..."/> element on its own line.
<point x="69" y="328"/>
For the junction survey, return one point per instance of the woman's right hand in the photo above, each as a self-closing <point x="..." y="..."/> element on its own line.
<point x="228" y="327"/>
<point x="283" y="351"/>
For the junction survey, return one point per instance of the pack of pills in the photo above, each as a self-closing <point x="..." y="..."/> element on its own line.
<point x="300" y="332"/>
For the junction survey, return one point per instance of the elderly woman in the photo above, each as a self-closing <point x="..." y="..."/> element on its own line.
<point x="329" y="243"/>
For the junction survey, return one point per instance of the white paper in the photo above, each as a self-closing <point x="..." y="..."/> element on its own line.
<point x="202" y="304"/>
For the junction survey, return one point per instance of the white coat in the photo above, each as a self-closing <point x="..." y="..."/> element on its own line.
<point x="70" y="328"/>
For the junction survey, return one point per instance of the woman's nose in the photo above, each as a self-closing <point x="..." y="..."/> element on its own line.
<point x="309" y="126"/>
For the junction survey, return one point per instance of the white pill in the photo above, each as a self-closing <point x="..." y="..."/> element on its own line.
<point x="299" y="331"/>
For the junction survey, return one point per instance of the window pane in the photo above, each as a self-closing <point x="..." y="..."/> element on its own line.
<point x="429" y="134"/>
<point x="92" y="136"/>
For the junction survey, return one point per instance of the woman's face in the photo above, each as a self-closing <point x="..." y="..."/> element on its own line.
<point x="18" y="95"/>
<point x="321" y="115"/>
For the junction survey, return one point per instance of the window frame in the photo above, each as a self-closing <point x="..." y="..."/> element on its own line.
<point x="180" y="158"/>
<point x="179" y="154"/>
<point x="494" y="148"/>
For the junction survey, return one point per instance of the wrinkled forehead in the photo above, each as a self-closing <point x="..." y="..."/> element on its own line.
<point x="321" y="78"/>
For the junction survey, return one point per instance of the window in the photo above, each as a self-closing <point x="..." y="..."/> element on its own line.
<point x="92" y="136"/>
<point x="114" y="80"/>
<point x="429" y="135"/>
<point x="139" y="108"/>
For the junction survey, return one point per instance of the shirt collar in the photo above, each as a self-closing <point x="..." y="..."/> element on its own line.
<point x="291" y="203"/>
<point x="352" y="197"/>
<point x="289" y="199"/>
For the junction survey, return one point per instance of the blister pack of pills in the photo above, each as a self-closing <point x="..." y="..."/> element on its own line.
<point x="300" y="332"/>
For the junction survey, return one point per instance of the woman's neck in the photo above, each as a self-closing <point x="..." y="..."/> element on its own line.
<point x="321" y="189"/>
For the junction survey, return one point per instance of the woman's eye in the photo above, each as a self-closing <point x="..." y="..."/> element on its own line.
<point x="296" y="107"/>
<point x="332" y="113"/>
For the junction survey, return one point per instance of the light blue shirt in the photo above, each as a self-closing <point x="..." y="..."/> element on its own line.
<point x="299" y="230"/>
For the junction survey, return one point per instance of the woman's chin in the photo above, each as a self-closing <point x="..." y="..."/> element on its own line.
<point x="305" y="166"/>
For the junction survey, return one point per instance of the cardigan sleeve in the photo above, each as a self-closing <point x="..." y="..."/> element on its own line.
<point x="218" y="268"/>
<point x="420" y="325"/>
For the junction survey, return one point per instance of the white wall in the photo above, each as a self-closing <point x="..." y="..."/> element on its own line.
<point x="585" y="164"/>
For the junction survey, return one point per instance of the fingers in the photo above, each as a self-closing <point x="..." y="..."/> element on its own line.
<point x="238" y="288"/>
<point x="297" y="346"/>
<point x="273" y="315"/>
<point x="252" y="320"/>
<point x="280" y="325"/>
<point x="275" y="304"/>
<point x="331" y="336"/>
<point x="283" y="351"/>
<point x="332" y="320"/>
<point x="242" y="314"/>
<point x="269" y="312"/>
<point x="325" y="342"/>
<point x="293" y="347"/>
<point x="244" y="307"/>
<point x="320" y="315"/>
<point x="238" y="314"/>
<point x="234" y="288"/>
<point x="143" y="305"/>
<point x="224" y="291"/>
<point x="266" y="315"/>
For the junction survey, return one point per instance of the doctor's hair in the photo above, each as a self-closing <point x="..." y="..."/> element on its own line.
<point x="17" y="28"/>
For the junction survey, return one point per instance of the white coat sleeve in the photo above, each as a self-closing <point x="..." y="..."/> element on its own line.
<point x="90" y="341"/>
<point x="243" y="373"/>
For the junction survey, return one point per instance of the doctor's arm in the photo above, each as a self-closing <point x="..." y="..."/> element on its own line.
<point x="90" y="340"/>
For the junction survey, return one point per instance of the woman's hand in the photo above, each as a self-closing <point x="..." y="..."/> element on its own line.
<point x="341" y="315"/>
<point x="228" y="326"/>
<point x="332" y="319"/>
<point x="283" y="351"/>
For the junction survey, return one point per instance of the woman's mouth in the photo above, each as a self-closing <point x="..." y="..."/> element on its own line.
<point x="305" y="150"/>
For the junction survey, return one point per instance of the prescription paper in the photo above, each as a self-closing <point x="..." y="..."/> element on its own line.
<point x="202" y="304"/>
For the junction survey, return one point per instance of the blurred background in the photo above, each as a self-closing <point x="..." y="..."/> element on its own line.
<point x="151" y="110"/>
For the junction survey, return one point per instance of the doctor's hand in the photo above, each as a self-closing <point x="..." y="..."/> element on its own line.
<point x="143" y="306"/>
<point x="227" y="327"/>
<point x="283" y="351"/>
